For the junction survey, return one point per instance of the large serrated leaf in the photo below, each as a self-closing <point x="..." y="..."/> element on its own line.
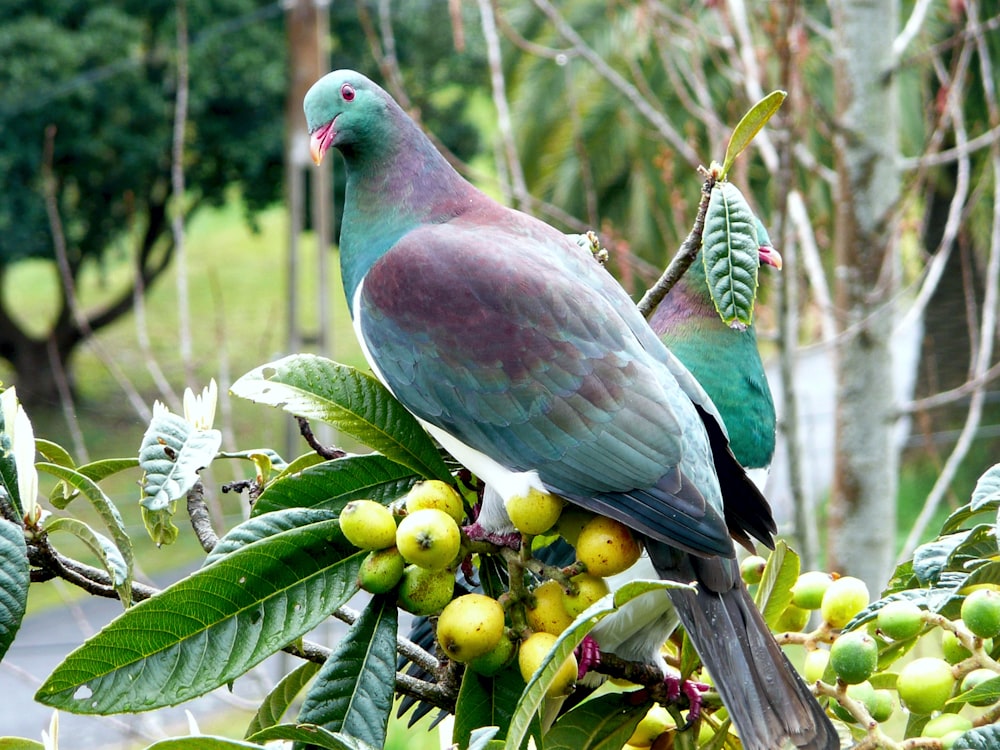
<point x="264" y="526"/>
<point x="14" y="581"/>
<point x="730" y="253"/>
<point x="749" y="125"/>
<point x="774" y="593"/>
<point x="277" y="702"/>
<point x="211" y="627"/>
<point x="604" y="723"/>
<point x="110" y="556"/>
<point x="484" y="702"/>
<point x="172" y="453"/>
<point x="317" y="388"/>
<point x="354" y="689"/>
<point x="534" y="693"/>
<point x="109" y="515"/>
<point x="333" y="484"/>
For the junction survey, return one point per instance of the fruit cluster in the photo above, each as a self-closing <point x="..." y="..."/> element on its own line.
<point x="859" y="656"/>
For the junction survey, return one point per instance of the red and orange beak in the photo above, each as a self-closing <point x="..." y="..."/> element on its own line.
<point x="768" y="255"/>
<point x="320" y="140"/>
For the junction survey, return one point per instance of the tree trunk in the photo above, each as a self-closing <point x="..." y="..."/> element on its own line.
<point x="863" y="502"/>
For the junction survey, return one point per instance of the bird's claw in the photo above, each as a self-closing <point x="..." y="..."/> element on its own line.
<point x="692" y="690"/>
<point x="477" y="533"/>
<point x="588" y="656"/>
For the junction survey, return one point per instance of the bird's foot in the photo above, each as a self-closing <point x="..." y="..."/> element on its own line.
<point x="692" y="690"/>
<point x="588" y="656"/>
<point x="477" y="533"/>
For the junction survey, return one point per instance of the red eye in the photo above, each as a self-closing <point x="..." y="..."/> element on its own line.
<point x="347" y="92"/>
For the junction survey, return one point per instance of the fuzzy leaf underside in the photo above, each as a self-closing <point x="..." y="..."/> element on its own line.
<point x="172" y="453"/>
<point x="350" y="400"/>
<point x="14" y="581"/>
<point x="332" y="484"/>
<point x="211" y="627"/>
<point x="730" y="253"/>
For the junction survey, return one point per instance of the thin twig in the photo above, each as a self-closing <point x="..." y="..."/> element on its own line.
<point x="201" y="519"/>
<point x="306" y="431"/>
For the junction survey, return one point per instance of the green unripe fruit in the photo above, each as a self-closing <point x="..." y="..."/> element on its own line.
<point x="792" y="620"/>
<point x="863" y="693"/>
<point x="752" y="569"/>
<point x="368" y="524"/>
<point x="607" y="547"/>
<point x="381" y="570"/>
<point x="854" y="657"/>
<point x="809" y="588"/>
<point x="571" y="521"/>
<point x="590" y="588"/>
<point x="945" y="724"/>
<point x="949" y="740"/>
<point x="883" y="705"/>
<point x="529" y="658"/>
<point x="815" y="664"/>
<point x="549" y="612"/>
<point x="925" y="684"/>
<point x="900" y="620"/>
<point x="981" y="613"/>
<point x="843" y="599"/>
<point x="977" y="677"/>
<point x="535" y="512"/>
<point x="429" y="538"/>
<point x="433" y="493"/>
<point x="470" y="626"/>
<point x="952" y="647"/>
<point x="425" y="592"/>
<point x="491" y="663"/>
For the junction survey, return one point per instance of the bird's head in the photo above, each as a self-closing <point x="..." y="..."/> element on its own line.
<point x="345" y="110"/>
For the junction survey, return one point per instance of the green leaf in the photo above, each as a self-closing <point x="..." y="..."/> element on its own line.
<point x="749" y="125"/>
<point x="354" y="689"/>
<point x="264" y="526"/>
<point x="201" y="742"/>
<point x="20" y="743"/>
<point x="172" y="453"/>
<point x="603" y="723"/>
<point x="482" y="738"/>
<point x="987" y="691"/>
<point x="109" y="515"/>
<point x="96" y="471"/>
<point x="987" y="491"/>
<point x="211" y="627"/>
<point x="731" y="254"/>
<point x="53" y="452"/>
<point x="277" y="702"/>
<point x="312" y="735"/>
<point x="317" y="388"/>
<point x="332" y="484"/>
<point x="8" y="470"/>
<point x="14" y="581"/>
<point x="980" y="738"/>
<point x="959" y="518"/>
<point x="160" y="524"/>
<point x="105" y="550"/>
<point x="486" y="702"/>
<point x="534" y="694"/>
<point x="774" y="592"/>
<point x="272" y="457"/>
<point x="930" y="559"/>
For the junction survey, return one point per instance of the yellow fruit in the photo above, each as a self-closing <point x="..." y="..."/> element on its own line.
<point x="425" y="592"/>
<point x="752" y="569"/>
<point x="656" y="721"/>
<point x="607" y="547"/>
<point x="429" y="538"/>
<point x="590" y="588"/>
<point x="470" y="626"/>
<point x="529" y="658"/>
<point x="843" y="599"/>
<point x="815" y="664"/>
<point x="571" y="521"/>
<point x="925" y="684"/>
<point x="549" y="613"/>
<point x="535" y="512"/>
<point x="433" y="493"/>
<point x="368" y="524"/>
<point x="792" y="620"/>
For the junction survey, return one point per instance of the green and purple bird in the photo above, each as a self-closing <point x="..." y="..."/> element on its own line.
<point x="531" y="365"/>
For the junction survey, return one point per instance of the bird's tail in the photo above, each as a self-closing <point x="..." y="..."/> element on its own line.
<point x="769" y="702"/>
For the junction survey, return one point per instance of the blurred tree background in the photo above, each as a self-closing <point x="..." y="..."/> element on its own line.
<point x="592" y="115"/>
